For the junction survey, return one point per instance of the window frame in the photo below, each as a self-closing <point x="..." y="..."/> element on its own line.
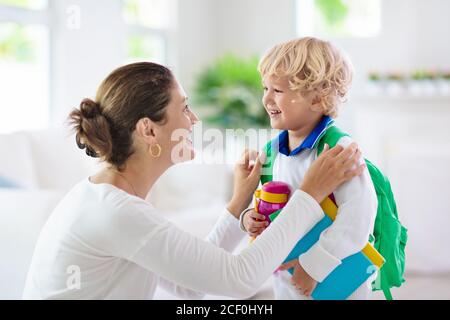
<point x="25" y="16"/>
<point x="164" y="33"/>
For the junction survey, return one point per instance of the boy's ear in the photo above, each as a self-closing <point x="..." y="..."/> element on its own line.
<point x="316" y="104"/>
<point x="316" y="100"/>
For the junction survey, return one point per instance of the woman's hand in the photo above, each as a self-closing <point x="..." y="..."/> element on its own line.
<point x="331" y="169"/>
<point x="247" y="174"/>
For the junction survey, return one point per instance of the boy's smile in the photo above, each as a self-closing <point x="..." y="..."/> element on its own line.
<point x="274" y="113"/>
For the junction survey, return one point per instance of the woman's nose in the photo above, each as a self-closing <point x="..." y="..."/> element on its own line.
<point x="194" y="118"/>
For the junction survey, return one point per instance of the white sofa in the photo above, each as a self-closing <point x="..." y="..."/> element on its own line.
<point x="47" y="164"/>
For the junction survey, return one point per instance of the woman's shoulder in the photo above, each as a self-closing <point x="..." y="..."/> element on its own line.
<point x="122" y="207"/>
<point x="108" y="210"/>
<point x="107" y="218"/>
<point x="105" y="200"/>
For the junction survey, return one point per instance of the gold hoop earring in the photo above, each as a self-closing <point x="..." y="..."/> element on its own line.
<point x="158" y="150"/>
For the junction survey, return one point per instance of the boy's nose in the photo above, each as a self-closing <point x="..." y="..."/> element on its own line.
<point x="267" y="99"/>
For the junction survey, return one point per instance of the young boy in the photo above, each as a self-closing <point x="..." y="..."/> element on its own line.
<point x="304" y="81"/>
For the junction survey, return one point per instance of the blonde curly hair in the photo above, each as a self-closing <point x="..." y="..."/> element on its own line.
<point x="311" y="64"/>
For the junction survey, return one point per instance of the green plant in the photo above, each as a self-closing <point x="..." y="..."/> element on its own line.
<point x="19" y="3"/>
<point x="395" y="76"/>
<point x="334" y="11"/>
<point x="15" y="43"/>
<point x="374" y="76"/>
<point x="431" y="75"/>
<point x="230" y="93"/>
<point x="418" y="75"/>
<point x="141" y="47"/>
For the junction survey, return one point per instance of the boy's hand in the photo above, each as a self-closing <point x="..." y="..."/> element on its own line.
<point x="301" y="280"/>
<point x="254" y="223"/>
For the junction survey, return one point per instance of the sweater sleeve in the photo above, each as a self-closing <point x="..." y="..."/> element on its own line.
<point x="349" y="233"/>
<point x="201" y="266"/>
<point x="225" y="234"/>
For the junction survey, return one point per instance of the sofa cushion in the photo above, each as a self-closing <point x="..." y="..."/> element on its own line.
<point x="59" y="163"/>
<point x="8" y="184"/>
<point x="23" y="213"/>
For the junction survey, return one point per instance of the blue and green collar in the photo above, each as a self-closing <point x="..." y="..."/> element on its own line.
<point x="309" y="143"/>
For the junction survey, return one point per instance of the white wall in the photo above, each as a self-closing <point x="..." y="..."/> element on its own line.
<point x="195" y="38"/>
<point x="253" y="26"/>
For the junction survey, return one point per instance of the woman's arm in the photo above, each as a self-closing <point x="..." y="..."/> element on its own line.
<point x="181" y="258"/>
<point x="192" y="263"/>
<point x="225" y="234"/>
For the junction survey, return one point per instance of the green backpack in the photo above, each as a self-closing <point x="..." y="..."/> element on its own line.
<point x="389" y="234"/>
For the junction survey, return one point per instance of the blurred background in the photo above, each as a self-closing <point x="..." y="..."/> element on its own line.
<point x="53" y="53"/>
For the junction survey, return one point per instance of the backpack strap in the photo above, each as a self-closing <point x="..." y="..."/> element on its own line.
<point x="331" y="137"/>
<point x="387" y="293"/>
<point x="267" y="168"/>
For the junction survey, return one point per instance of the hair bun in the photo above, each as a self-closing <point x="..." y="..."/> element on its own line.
<point x="89" y="151"/>
<point x="86" y="118"/>
<point x="90" y="109"/>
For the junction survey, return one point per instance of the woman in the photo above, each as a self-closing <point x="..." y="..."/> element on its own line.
<point x="104" y="241"/>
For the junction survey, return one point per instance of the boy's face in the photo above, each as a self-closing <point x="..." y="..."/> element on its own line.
<point x="288" y="109"/>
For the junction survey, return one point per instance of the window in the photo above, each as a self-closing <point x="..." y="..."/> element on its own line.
<point x="148" y="29"/>
<point x="27" y="4"/>
<point x="339" y="18"/>
<point x="24" y="65"/>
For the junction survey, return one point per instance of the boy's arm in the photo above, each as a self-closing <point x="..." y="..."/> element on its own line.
<point x="349" y="233"/>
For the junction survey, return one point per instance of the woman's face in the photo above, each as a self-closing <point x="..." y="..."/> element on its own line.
<point x="176" y="138"/>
